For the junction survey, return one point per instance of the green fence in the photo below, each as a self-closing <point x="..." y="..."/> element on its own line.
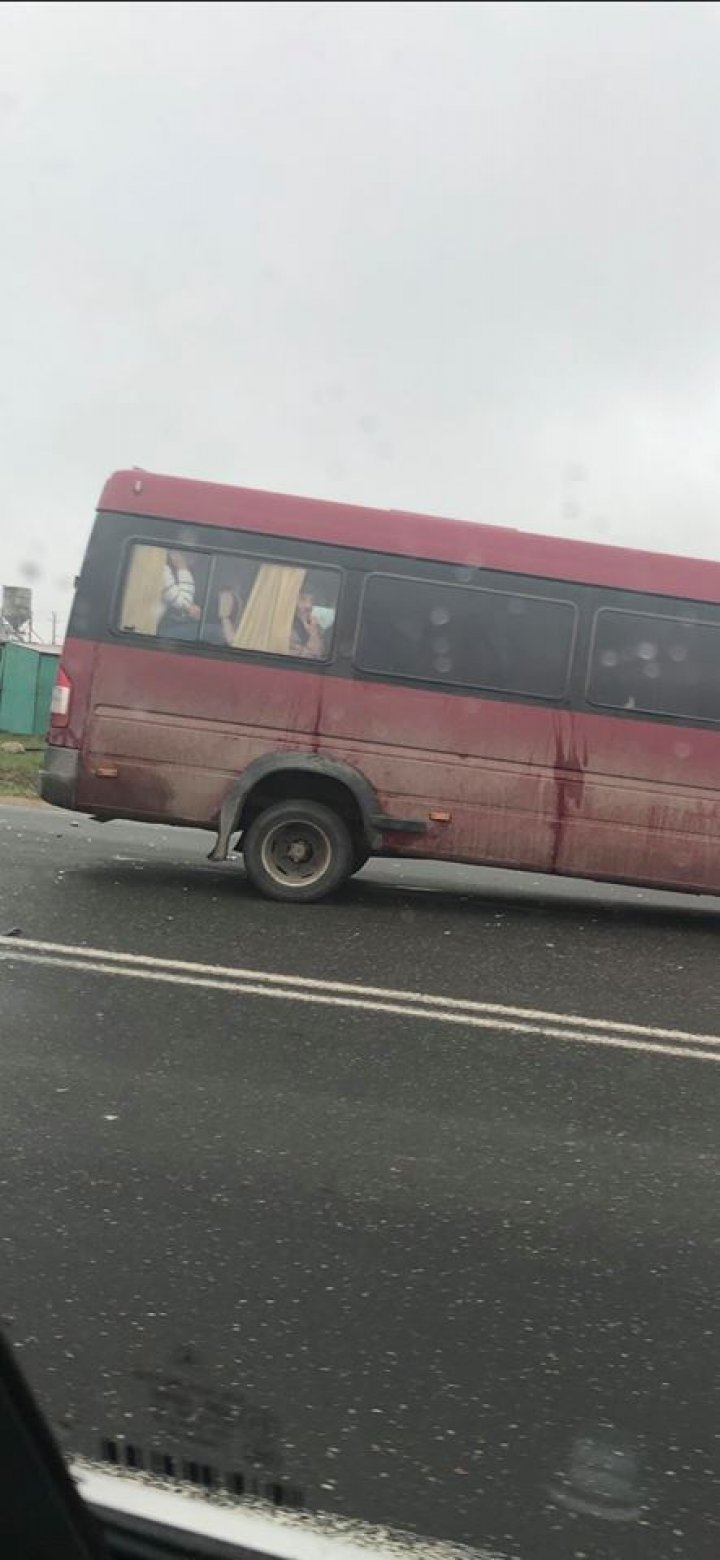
<point x="27" y="676"/>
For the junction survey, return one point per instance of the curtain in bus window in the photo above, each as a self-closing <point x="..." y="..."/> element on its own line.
<point x="267" y="621"/>
<point x="142" y="603"/>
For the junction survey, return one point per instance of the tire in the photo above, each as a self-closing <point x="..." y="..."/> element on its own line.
<point x="273" y="846"/>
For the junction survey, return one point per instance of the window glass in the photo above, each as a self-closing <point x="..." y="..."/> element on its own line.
<point x="661" y="665"/>
<point x="240" y="603"/>
<point x="164" y="592"/>
<point x="477" y="638"/>
<point x="280" y="608"/>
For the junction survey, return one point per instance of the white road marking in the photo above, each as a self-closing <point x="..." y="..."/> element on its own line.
<point x="368" y="999"/>
<point x="385" y="993"/>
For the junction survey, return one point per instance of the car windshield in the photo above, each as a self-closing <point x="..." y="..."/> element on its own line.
<point x="359" y="762"/>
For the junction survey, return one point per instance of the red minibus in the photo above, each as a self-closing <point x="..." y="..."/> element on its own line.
<point x="322" y="683"/>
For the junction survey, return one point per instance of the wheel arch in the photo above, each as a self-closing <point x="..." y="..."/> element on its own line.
<point x="328" y="780"/>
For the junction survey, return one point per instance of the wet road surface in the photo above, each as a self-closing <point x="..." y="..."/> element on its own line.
<point x="450" y="1268"/>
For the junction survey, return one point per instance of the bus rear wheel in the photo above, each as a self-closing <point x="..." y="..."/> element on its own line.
<point x="297" y="850"/>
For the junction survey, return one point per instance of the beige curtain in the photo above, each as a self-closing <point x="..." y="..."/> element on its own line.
<point x="266" y="623"/>
<point x="142" y="599"/>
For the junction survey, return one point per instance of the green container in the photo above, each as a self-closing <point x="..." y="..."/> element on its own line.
<point x="27" y="676"/>
<point x="47" y="672"/>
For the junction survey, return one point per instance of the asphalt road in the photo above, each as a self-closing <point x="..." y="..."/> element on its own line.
<point x="449" y="1268"/>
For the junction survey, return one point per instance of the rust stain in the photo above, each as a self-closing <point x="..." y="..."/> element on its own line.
<point x="569" y="767"/>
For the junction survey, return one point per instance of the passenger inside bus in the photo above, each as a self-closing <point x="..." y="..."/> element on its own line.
<point x="314" y="619"/>
<point x="307" y="637"/>
<point x="270" y="607"/>
<point x="232" y="585"/>
<point x="180" y="612"/>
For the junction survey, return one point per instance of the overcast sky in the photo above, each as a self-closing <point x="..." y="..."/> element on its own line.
<point x="458" y="258"/>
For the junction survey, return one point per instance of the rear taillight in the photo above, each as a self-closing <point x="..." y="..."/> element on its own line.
<point x="60" y="703"/>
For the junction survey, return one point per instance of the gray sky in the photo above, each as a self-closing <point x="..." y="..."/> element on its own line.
<point x="459" y="258"/>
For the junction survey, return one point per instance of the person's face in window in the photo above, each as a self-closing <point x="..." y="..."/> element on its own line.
<point x="305" y="606"/>
<point x="307" y="637"/>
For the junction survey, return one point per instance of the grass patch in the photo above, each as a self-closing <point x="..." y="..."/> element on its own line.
<point x="19" y="771"/>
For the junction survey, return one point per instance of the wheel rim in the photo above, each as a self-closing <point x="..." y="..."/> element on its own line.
<point x="296" y="853"/>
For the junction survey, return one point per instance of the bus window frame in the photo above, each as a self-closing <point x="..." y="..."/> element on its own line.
<point x="129" y="635"/>
<point x="637" y="710"/>
<point x="196" y="646"/>
<point x="555" y="700"/>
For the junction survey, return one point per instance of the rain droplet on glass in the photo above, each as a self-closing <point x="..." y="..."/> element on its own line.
<point x="609" y="658"/>
<point x="647" y="651"/>
<point x="439" y="616"/>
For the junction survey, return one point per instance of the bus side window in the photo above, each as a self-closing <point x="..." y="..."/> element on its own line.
<point x="277" y="609"/>
<point x="470" y="637"/>
<point x="655" y="665"/>
<point x="164" y="592"/>
<point x="240" y="603"/>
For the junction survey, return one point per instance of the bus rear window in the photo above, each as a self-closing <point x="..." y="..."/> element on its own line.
<point x="483" y="639"/>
